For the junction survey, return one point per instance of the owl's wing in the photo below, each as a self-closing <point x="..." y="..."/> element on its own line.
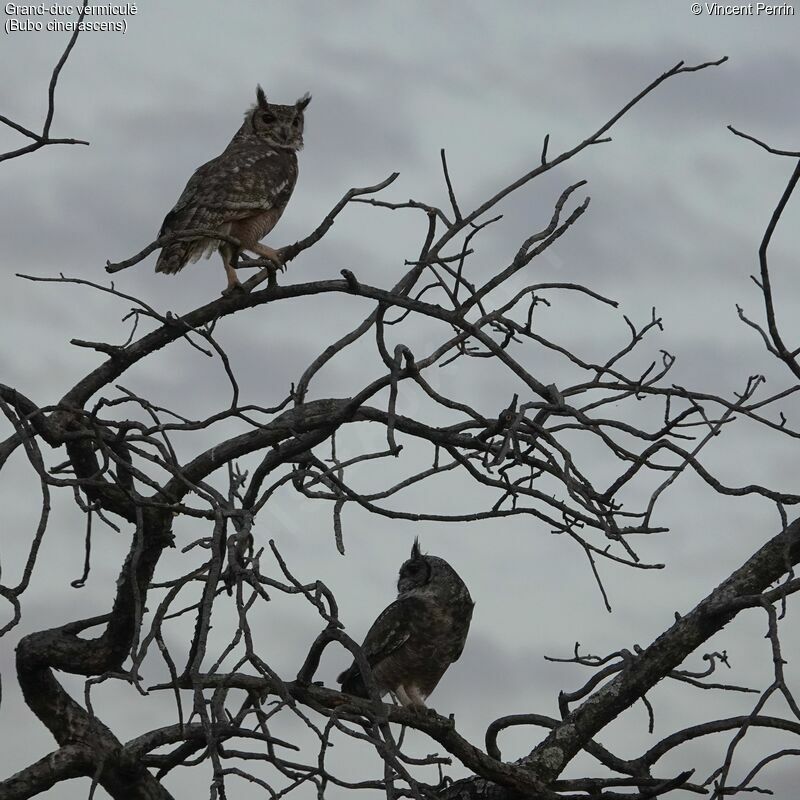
<point x="232" y="186"/>
<point x="180" y="216"/>
<point x="390" y="631"/>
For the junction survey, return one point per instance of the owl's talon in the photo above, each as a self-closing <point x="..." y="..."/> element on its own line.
<point x="233" y="288"/>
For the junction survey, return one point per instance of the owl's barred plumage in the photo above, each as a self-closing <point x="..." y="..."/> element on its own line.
<point x="240" y="193"/>
<point x="416" y="638"/>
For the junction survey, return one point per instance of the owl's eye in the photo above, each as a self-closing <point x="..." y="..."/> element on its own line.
<point x="268" y="117"/>
<point x="296" y="122"/>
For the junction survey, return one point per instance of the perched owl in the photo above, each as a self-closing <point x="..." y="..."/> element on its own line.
<point x="242" y="192"/>
<point x="417" y="637"/>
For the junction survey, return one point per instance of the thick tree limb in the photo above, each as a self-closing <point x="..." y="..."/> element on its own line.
<point x="666" y="653"/>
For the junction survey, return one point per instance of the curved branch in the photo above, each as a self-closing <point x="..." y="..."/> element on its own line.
<point x="71" y="761"/>
<point x="440" y="729"/>
<point x="666" y="653"/>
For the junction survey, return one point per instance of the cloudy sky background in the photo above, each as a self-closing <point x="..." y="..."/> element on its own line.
<point x="677" y="212"/>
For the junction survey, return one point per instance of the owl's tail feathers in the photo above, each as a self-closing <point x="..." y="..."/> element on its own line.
<point x="173" y="257"/>
<point x="352" y="682"/>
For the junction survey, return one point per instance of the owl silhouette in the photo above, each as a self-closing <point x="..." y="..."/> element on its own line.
<point x="241" y="193"/>
<point x="415" y="639"/>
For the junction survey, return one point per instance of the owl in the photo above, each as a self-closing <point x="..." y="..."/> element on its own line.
<point x="415" y="639"/>
<point x="242" y="192"/>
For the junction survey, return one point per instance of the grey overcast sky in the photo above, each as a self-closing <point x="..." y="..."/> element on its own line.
<point x="677" y="211"/>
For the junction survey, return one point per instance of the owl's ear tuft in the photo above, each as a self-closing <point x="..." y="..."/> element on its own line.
<point x="302" y="103"/>
<point x="415" y="551"/>
<point x="261" y="98"/>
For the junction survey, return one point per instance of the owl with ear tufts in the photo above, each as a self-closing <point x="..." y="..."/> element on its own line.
<point x="415" y="639"/>
<point x="241" y="193"/>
